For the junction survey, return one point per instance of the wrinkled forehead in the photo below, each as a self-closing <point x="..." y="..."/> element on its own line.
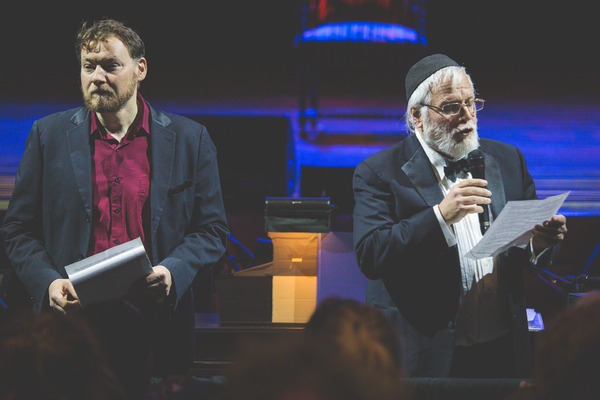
<point x="92" y="46"/>
<point x="110" y="49"/>
<point x="457" y="84"/>
<point x="108" y="44"/>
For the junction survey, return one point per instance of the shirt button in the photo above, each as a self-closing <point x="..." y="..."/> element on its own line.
<point x="118" y="210"/>
<point x="118" y="180"/>
<point x="117" y="241"/>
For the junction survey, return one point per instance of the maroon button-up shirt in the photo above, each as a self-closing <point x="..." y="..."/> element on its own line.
<point x="120" y="184"/>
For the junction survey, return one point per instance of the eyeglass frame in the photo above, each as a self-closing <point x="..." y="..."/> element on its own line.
<point x="462" y="104"/>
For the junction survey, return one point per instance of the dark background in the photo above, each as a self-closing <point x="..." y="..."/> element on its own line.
<point x="204" y="49"/>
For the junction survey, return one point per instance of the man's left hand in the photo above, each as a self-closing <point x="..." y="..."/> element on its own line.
<point x="549" y="233"/>
<point x="157" y="284"/>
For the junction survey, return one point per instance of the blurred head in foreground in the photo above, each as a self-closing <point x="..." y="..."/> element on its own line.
<point x="360" y="331"/>
<point x="567" y="353"/>
<point x="52" y="356"/>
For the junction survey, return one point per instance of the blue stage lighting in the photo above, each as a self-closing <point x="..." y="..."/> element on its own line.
<point x="361" y="32"/>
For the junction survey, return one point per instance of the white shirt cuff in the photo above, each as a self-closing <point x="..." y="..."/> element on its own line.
<point x="448" y="234"/>
<point x="532" y="257"/>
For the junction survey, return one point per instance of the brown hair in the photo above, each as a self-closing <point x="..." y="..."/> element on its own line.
<point x="358" y="330"/>
<point x="567" y="353"/>
<point x="52" y="356"/>
<point x="303" y="367"/>
<point x="102" y="30"/>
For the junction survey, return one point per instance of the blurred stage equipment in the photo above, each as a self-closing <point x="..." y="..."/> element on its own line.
<point x="354" y="42"/>
<point x="592" y="268"/>
<point x="574" y="287"/>
<point x="285" y="289"/>
<point x="310" y="263"/>
<point x="4" y="278"/>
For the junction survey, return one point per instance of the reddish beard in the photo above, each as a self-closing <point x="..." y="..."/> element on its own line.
<point x="106" y="100"/>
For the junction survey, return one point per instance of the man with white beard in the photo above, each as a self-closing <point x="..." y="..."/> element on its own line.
<point x="415" y="218"/>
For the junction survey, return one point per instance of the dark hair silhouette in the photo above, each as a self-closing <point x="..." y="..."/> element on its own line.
<point x="52" y="356"/>
<point x="358" y="330"/>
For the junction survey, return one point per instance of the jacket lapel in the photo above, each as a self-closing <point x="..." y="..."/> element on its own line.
<point x="495" y="184"/>
<point x="163" y="149"/>
<point x="78" y="145"/>
<point x="418" y="169"/>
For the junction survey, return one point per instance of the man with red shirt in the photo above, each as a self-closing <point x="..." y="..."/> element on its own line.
<point x="98" y="176"/>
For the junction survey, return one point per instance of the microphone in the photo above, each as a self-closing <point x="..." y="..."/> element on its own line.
<point x="476" y="161"/>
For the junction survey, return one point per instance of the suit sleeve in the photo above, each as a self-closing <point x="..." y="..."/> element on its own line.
<point x="528" y="184"/>
<point x="206" y="234"/>
<point x="547" y="258"/>
<point x="385" y="241"/>
<point x="22" y="229"/>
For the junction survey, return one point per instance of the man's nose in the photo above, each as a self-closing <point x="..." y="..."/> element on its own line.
<point x="467" y="113"/>
<point x="99" y="75"/>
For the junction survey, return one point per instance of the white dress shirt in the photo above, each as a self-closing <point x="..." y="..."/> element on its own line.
<point x="483" y="313"/>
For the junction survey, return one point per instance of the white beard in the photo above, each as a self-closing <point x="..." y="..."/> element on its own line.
<point x="441" y="139"/>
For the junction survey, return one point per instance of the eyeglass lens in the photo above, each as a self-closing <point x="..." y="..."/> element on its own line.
<point x="454" y="108"/>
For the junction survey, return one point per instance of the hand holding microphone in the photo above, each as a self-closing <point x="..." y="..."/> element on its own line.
<point x="469" y="196"/>
<point x="476" y="161"/>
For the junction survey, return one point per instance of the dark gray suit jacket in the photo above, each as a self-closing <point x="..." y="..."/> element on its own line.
<point x="415" y="277"/>
<point x="48" y="221"/>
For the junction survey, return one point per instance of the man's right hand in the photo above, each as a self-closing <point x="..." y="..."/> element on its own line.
<point x="464" y="198"/>
<point x="58" y="293"/>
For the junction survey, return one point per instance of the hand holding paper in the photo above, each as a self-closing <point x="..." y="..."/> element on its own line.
<point x="549" y="233"/>
<point x="518" y="222"/>
<point x="110" y="274"/>
<point x="157" y="284"/>
<point x="58" y="293"/>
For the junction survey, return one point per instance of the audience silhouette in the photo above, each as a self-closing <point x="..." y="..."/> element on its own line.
<point x="54" y="357"/>
<point x="359" y="330"/>
<point x="348" y="351"/>
<point x="567" y="353"/>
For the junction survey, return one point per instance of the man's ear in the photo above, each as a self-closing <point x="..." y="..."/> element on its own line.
<point x="415" y="113"/>
<point x="142" y="69"/>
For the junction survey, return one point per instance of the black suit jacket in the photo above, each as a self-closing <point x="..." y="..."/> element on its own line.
<point x="48" y="221"/>
<point x="415" y="278"/>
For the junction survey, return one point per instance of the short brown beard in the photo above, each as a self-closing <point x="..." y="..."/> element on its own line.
<point x="108" y="101"/>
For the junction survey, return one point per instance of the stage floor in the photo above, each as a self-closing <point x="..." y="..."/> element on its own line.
<point x="560" y="140"/>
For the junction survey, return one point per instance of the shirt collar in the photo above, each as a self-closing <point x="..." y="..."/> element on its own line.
<point x="436" y="159"/>
<point x="144" y="123"/>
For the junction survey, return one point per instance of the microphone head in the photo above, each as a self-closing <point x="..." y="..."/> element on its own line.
<point x="476" y="158"/>
<point x="476" y="161"/>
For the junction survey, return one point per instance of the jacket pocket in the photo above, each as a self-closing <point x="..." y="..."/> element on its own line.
<point x="179" y="188"/>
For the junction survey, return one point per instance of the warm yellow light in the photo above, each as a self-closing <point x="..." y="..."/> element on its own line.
<point x="297" y="259"/>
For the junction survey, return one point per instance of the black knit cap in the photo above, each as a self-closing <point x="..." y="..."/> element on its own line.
<point x="424" y="69"/>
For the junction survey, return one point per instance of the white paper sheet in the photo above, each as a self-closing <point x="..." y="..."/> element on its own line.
<point x="109" y="275"/>
<point x="514" y="225"/>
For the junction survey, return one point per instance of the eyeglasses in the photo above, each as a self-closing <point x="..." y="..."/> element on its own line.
<point x="451" y="109"/>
